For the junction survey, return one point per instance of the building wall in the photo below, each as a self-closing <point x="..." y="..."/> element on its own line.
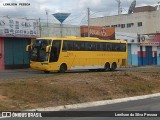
<point x="129" y="55"/>
<point x="15" y="55"/>
<point x="150" y="22"/>
<point x="134" y="51"/>
<point x="144" y="9"/>
<point x="133" y="46"/>
<point x="148" y="55"/>
<point x="129" y="37"/>
<point x="54" y="30"/>
<point x="1" y="53"/>
<point x="139" y="55"/>
<point x="154" y="55"/>
<point x="133" y="54"/>
<point x="158" y="56"/>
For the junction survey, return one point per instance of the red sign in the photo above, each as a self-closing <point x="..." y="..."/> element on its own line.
<point x="107" y="33"/>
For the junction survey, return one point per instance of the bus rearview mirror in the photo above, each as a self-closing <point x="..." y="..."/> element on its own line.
<point x="48" y="48"/>
<point x="28" y="48"/>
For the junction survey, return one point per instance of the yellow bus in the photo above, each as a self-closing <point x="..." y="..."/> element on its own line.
<point x="71" y="53"/>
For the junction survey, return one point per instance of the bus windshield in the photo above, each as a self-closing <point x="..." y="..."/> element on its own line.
<point x="38" y="52"/>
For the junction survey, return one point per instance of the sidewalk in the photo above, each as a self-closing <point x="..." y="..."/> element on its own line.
<point x="29" y="69"/>
<point x="95" y="103"/>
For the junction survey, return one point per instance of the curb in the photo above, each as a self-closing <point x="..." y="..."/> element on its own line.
<point x="94" y="104"/>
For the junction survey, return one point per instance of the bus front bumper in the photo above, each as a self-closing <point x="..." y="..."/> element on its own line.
<point x="40" y="66"/>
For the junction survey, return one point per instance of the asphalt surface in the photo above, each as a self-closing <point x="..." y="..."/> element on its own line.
<point x="29" y="73"/>
<point x="22" y="73"/>
<point x="150" y="104"/>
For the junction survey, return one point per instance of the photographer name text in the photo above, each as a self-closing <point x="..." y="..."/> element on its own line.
<point x="16" y="4"/>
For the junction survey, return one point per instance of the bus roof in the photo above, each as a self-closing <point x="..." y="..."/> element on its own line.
<point x="81" y="38"/>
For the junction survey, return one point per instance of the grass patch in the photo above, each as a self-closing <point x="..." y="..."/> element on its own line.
<point x="138" y="88"/>
<point x="126" y="74"/>
<point x="20" y="94"/>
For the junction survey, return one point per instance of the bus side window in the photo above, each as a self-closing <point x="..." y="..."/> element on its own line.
<point x="67" y="45"/>
<point x="82" y="46"/>
<point x="79" y="46"/>
<point x="93" y="46"/>
<point x="117" y="47"/>
<point x="108" y="47"/>
<point x="88" y="46"/>
<point x="113" y="47"/>
<point x="104" y="47"/>
<point x="76" y="46"/>
<point x="70" y="45"/>
<point x="99" y="46"/>
<point x="122" y="47"/>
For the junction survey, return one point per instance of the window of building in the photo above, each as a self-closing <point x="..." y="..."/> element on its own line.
<point x="119" y="25"/>
<point x="139" y="24"/>
<point x="122" y="25"/>
<point x="107" y="26"/>
<point x="114" y="26"/>
<point x="130" y="25"/>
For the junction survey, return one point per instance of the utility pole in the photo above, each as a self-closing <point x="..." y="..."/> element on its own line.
<point x="61" y="33"/>
<point x="88" y="22"/>
<point x="119" y="6"/>
<point x="47" y="21"/>
<point x="40" y="27"/>
<point x="158" y="6"/>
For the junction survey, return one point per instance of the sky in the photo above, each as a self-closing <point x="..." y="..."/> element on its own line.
<point x="78" y="9"/>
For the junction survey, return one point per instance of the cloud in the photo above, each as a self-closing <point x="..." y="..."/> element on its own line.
<point x="77" y="8"/>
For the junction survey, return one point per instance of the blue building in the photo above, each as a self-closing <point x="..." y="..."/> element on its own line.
<point x="142" y="49"/>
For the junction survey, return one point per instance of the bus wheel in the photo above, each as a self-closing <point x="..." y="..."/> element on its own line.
<point x="114" y="66"/>
<point x="46" y="71"/>
<point x="63" y="68"/>
<point x="107" y="66"/>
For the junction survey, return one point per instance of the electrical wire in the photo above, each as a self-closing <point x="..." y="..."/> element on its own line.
<point x="72" y="19"/>
<point x="82" y="19"/>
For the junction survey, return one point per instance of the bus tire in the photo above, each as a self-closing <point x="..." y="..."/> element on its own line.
<point x="107" y="67"/>
<point x="63" y="68"/>
<point x="114" y="66"/>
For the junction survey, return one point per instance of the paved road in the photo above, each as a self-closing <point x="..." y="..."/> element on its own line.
<point x="28" y="73"/>
<point x="20" y="73"/>
<point x="150" y="104"/>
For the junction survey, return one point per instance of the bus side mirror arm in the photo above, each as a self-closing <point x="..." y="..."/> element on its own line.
<point x="28" y="48"/>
